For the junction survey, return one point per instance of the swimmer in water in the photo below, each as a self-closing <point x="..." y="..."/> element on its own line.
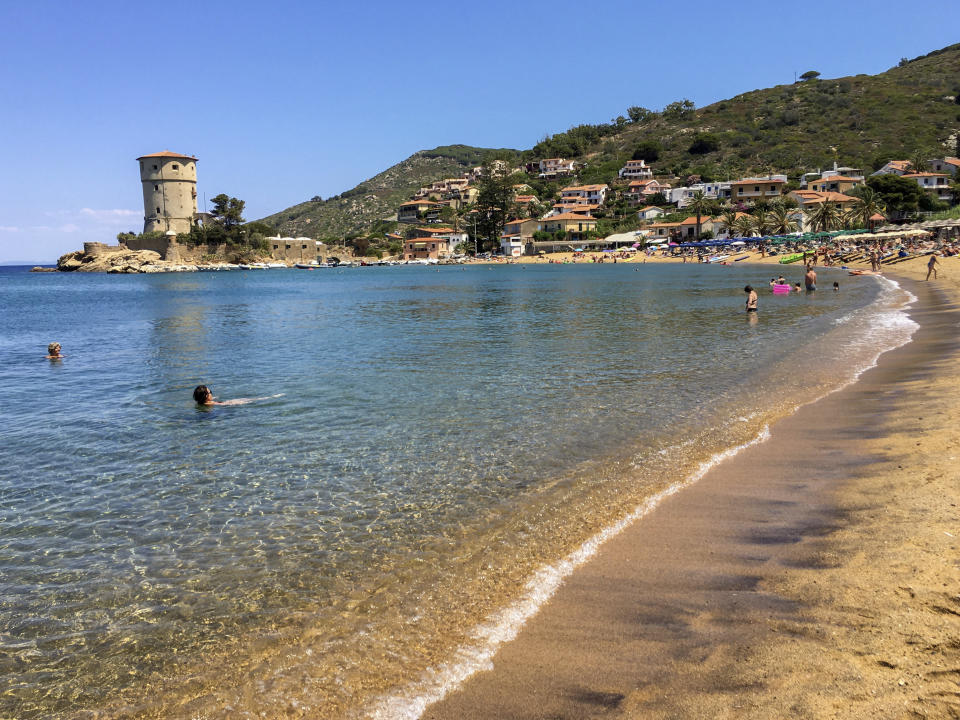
<point x="751" y="299"/>
<point x="53" y="351"/>
<point x="202" y="395"/>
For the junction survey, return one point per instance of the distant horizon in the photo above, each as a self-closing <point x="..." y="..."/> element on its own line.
<point x="300" y="118"/>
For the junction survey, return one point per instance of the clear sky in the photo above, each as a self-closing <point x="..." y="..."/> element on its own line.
<point x="282" y="101"/>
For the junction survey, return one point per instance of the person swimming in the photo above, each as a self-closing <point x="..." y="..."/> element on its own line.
<point x="53" y="351"/>
<point x="203" y="396"/>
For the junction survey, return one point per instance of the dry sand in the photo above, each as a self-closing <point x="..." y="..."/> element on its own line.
<point x="814" y="575"/>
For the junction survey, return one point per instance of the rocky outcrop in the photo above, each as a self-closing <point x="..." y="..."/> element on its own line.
<point x="116" y="261"/>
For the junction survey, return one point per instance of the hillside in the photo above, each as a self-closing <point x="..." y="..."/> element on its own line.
<point x="863" y="121"/>
<point x="377" y="198"/>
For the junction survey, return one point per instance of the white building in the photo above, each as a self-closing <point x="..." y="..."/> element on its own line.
<point x="636" y="169"/>
<point x="556" y="167"/>
<point x="584" y="194"/>
<point x="683" y="195"/>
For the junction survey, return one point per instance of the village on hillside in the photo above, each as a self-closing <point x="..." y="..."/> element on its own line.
<point x="441" y="218"/>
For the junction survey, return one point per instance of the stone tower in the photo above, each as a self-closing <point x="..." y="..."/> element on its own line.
<point x="169" y="192"/>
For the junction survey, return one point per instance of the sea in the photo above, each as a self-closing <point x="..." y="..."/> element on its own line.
<point x="430" y="452"/>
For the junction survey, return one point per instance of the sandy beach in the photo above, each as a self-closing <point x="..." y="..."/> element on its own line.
<point x="813" y="575"/>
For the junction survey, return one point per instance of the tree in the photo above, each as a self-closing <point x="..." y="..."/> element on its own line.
<point x="728" y="216"/>
<point x="638" y="114"/>
<point x="901" y="196"/>
<point x="699" y="205"/>
<point x="227" y="211"/>
<point x="648" y="151"/>
<point x="704" y="143"/>
<point x="810" y="75"/>
<point x="619" y="121"/>
<point x="823" y="217"/>
<point x="742" y="226"/>
<point x="679" y="109"/>
<point x="657" y="199"/>
<point x="762" y="220"/>
<point x="918" y="161"/>
<point x="868" y="204"/>
<point x="494" y="202"/>
<point x="780" y="222"/>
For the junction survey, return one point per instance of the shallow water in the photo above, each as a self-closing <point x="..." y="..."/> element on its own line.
<point x="442" y="436"/>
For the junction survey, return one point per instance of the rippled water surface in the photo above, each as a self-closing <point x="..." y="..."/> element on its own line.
<point x="442" y="434"/>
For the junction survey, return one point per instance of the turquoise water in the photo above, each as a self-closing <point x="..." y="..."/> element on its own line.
<point x="441" y="434"/>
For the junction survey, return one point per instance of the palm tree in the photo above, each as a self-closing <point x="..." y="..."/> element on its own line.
<point x="825" y="216"/>
<point x="868" y="204"/>
<point x="761" y="220"/>
<point x="729" y="218"/>
<point x="780" y="222"/>
<point x="743" y="226"/>
<point x="919" y="161"/>
<point x="699" y="205"/>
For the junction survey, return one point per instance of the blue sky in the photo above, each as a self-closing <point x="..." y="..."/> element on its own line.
<point x="282" y="101"/>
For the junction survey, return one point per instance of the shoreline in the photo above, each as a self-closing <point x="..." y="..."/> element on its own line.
<point x="766" y="618"/>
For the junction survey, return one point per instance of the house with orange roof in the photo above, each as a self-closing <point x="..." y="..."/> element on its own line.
<point x="584" y="194"/>
<point x="575" y="208"/>
<point x="556" y="167"/>
<point x="683" y="230"/>
<point x="636" y="170"/>
<point x="948" y="165"/>
<point x="640" y="190"/>
<point x="575" y="226"/>
<point x="756" y="188"/>
<point x="650" y="212"/>
<point x="431" y="248"/>
<point x="517" y="235"/>
<point x="937" y="184"/>
<point x="835" y="183"/>
<point x="894" y="167"/>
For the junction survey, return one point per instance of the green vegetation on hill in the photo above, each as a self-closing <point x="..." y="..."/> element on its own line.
<point x="860" y="121"/>
<point x="372" y="201"/>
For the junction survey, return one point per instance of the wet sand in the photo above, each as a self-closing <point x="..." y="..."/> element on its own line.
<point x="814" y="575"/>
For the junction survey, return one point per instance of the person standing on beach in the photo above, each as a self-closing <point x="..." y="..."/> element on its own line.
<point x="810" y="279"/>
<point x="751" y="299"/>
<point x="932" y="266"/>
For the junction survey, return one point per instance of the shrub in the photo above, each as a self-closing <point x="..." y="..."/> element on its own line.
<point x="704" y="143"/>
<point x="648" y="151"/>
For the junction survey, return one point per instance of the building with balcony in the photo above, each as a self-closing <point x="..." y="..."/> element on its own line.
<point x="584" y="194"/>
<point x="756" y="188"/>
<point x="937" y="184"/>
<point x="556" y="167"/>
<point x="636" y="170"/>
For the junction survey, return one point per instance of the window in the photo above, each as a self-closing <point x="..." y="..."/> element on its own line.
<point x="158" y="211"/>
<point x="155" y="167"/>
<point x="175" y="166"/>
<point x="276" y="247"/>
<point x="156" y="187"/>
<point x="303" y="247"/>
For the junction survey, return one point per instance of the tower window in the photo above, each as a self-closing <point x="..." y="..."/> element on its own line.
<point x="156" y="187"/>
<point x="175" y="166"/>
<point x="158" y="211"/>
<point x="154" y="167"/>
